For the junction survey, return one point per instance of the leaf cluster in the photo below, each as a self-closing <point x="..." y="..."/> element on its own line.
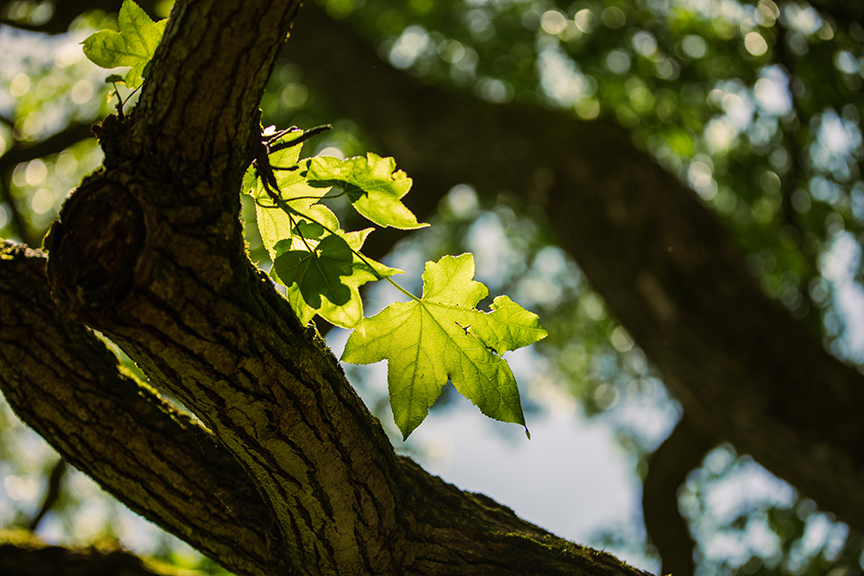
<point x="429" y="340"/>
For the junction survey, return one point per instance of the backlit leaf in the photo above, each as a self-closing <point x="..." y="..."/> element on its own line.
<point x="328" y="301"/>
<point x="274" y="223"/>
<point x="133" y="45"/>
<point x="442" y="336"/>
<point x="317" y="272"/>
<point x="372" y="183"/>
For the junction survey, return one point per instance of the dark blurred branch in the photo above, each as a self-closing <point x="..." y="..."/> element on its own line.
<point x="22" y="152"/>
<point x="668" y="467"/>
<point x="741" y="366"/>
<point x="60" y="379"/>
<point x="52" y="493"/>
<point x="790" y="179"/>
<point x="66" y="12"/>
<point x="21" y="556"/>
<point x="792" y="134"/>
<point x="841" y="11"/>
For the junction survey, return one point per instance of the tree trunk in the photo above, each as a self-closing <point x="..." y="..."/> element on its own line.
<point x="150" y="252"/>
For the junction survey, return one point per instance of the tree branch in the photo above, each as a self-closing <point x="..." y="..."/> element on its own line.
<point x="52" y="493"/>
<point x="19" y="223"/>
<point x="63" y="382"/>
<point x="18" y="152"/>
<point x="668" y="467"/>
<point x="22" y="152"/>
<point x="25" y="555"/>
<point x="175" y="124"/>
<point x="843" y="13"/>
<point x="743" y="369"/>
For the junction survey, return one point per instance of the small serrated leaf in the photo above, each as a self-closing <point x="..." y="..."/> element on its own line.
<point x="133" y="45"/>
<point x="373" y="185"/>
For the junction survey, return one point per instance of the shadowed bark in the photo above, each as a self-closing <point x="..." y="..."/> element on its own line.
<point x="63" y="382"/>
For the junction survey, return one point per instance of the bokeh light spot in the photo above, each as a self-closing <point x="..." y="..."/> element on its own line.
<point x="462" y="201"/>
<point x="35" y="173"/>
<point x="553" y="22"/>
<point x="82" y="92"/>
<point x="613" y="17"/>
<point x="618" y="61"/>
<point x="587" y="108"/>
<point x="451" y="51"/>
<point x="20" y="85"/>
<point x="694" y="46"/>
<point x="755" y="44"/>
<point x="42" y="201"/>
<point x="585" y="21"/>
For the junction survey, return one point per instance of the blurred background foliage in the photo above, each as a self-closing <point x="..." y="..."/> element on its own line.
<point x="756" y="105"/>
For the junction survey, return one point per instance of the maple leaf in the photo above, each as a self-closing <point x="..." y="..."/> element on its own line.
<point x="134" y="45"/>
<point x="274" y="223"/>
<point x="443" y="336"/>
<point x="326" y="280"/>
<point x="373" y="185"/>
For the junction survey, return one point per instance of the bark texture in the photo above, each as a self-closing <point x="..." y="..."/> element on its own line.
<point x="743" y="369"/>
<point x="62" y="380"/>
<point x="149" y="251"/>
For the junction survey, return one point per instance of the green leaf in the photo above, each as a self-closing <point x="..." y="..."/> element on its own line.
<point x="317" y="272"/>
<point x="273" y="223"/>
<point x="321" y="270"/>
<point x="134" y="45"/>
<point x="372" y="183"/>
<point x="308" y="230"/>
<point x="442" y="336"/>
<point x="317" y="298"/>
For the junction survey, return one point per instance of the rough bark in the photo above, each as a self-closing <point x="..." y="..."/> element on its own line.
<point x="744" y="370"/>
<point x="62" y="381"/>
<point x="150" y="251"/>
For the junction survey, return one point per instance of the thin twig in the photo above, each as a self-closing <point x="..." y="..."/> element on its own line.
<point x="52" y="493"/>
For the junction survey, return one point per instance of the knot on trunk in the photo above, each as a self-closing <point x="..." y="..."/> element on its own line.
<point x="94" y="247"/>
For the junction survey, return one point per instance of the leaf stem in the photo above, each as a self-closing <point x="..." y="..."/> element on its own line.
<point x="401" y="289"/>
